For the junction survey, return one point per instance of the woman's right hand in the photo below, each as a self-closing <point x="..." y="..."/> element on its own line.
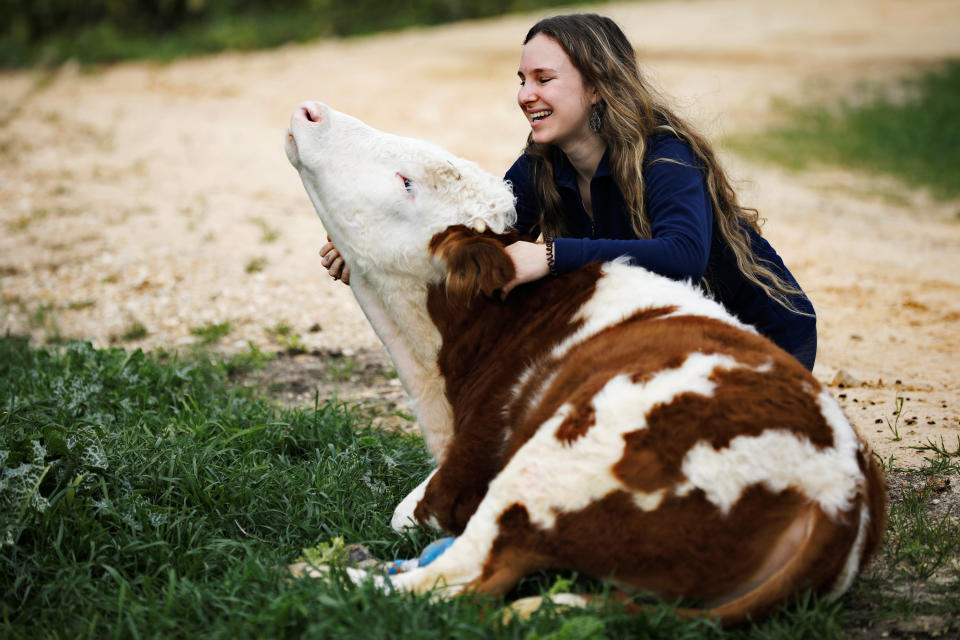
<point x="333" y="261"/>
<point x="529" y="263"/>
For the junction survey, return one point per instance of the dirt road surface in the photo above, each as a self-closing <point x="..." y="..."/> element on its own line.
<point x="159" y="195"/>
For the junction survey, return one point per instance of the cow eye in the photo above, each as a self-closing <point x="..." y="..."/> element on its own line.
<point x="407" y="184"/>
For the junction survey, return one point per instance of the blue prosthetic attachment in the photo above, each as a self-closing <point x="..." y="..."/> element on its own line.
<point x="434" y="550"/>
<point x="430" y="553"/>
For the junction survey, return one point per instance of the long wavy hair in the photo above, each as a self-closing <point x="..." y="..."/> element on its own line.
<point x="631" y="110"/>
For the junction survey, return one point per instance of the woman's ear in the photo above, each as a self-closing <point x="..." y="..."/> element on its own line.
<point x="476" y="262"/>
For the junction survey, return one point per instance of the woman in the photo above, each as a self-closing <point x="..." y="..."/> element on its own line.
<point x="610" y="171"/>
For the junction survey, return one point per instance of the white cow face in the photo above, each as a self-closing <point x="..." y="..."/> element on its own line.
<point x="382" y="197"/>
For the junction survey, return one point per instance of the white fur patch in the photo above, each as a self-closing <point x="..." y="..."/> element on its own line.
<point x="551" y="476"/>
<point x="778" y="459"/>
<point x="525" y="607"/>
<point x="623" y="290"/>
<point x="405" y="329"/>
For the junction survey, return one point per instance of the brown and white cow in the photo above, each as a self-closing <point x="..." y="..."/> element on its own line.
<point x="610" y="420"/>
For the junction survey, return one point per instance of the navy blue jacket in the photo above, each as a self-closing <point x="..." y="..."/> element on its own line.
<point x="686" y="242"/>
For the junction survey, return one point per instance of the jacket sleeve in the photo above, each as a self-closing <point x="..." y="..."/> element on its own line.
<point x="681" y="217"/>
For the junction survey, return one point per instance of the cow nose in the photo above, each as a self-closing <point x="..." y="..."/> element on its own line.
<point x="311" y="111"/>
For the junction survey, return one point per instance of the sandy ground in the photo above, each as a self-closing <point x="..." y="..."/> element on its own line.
<point x="160" y="194"/>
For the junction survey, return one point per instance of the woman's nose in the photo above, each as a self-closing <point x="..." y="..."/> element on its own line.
<point x="525" y="95"/>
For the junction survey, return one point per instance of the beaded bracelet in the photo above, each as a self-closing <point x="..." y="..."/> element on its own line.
<point x="551" y="262"/>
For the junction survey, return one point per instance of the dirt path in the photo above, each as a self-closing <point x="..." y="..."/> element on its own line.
<point x="160" y="195"/>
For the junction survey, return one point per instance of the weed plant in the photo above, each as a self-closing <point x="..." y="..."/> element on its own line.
<point x="256" y="265"/>
<point x="136" y="331"/>
<point x="211" y="332"/>
<point x="912" y="133"/>
<point x="148" y="496"/>
<point x="917" y="572"/>
<point x="286" y="337"/>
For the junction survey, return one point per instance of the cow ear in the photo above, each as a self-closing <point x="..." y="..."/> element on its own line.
<point x="476" y="262"/>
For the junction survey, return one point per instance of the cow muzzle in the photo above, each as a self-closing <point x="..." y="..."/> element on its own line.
<point x="309" y="111"/>
<point x="304" y="122"/>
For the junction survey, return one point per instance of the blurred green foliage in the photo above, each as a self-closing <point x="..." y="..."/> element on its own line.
<point x="907" y="129"/>
<point x="51" y="31"/>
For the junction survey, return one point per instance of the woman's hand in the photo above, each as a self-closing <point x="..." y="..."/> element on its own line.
<point x="529" y="261"/>
<point x="331" y="259"/>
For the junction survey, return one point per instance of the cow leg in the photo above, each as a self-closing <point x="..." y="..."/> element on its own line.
<point x="356" y="576"/>
<point x="403" y="515"/>
<point x="459" y="565"/>
<point x="472" y="564"/>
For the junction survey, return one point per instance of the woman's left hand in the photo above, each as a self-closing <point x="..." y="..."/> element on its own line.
<point x="334" y="263"/>
<point x="529" y="262"/>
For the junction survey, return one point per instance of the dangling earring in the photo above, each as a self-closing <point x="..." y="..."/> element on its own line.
<point x="595" y="122"/>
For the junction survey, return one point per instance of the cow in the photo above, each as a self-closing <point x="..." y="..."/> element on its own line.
<point x="610" y="420"/>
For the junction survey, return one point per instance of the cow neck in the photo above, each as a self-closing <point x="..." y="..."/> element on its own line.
<point x="397" y="313"/>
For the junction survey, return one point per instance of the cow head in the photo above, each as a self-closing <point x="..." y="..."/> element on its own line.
<point x="382" y="198"/>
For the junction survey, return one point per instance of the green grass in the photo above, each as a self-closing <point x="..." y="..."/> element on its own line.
<point x="339" y="368"/>
<point x="284" y="335"/>
<point x="923" y="544"/>
<point x="136" y="331"/>
<point x="148" y="496"/>
<point x="212" y="332"/>
<point x="45" y="318"/>
<point x="256" y="265"/>
<point x="917" y="572"/>
<point x="268" y="234"/>
<point x="915" y="137"/>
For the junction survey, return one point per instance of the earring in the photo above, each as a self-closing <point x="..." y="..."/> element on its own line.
<point x="595" y="122"/>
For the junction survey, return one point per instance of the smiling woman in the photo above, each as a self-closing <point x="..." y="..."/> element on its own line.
<point x="609" y="170"/>
<point x="555" y="100"/>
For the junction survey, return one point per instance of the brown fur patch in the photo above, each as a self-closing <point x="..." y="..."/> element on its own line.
<point x="576" y="423"/>
<point x="476" y="262"/>
<point x="685" y="548"/>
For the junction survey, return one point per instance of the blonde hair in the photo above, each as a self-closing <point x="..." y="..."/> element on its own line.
<point x="631" y="111"/>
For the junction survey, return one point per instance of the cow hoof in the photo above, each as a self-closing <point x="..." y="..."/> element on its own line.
<point x="307" y="570"/>
<point x="525" y="607"/>
<point x="356" y="576"/>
